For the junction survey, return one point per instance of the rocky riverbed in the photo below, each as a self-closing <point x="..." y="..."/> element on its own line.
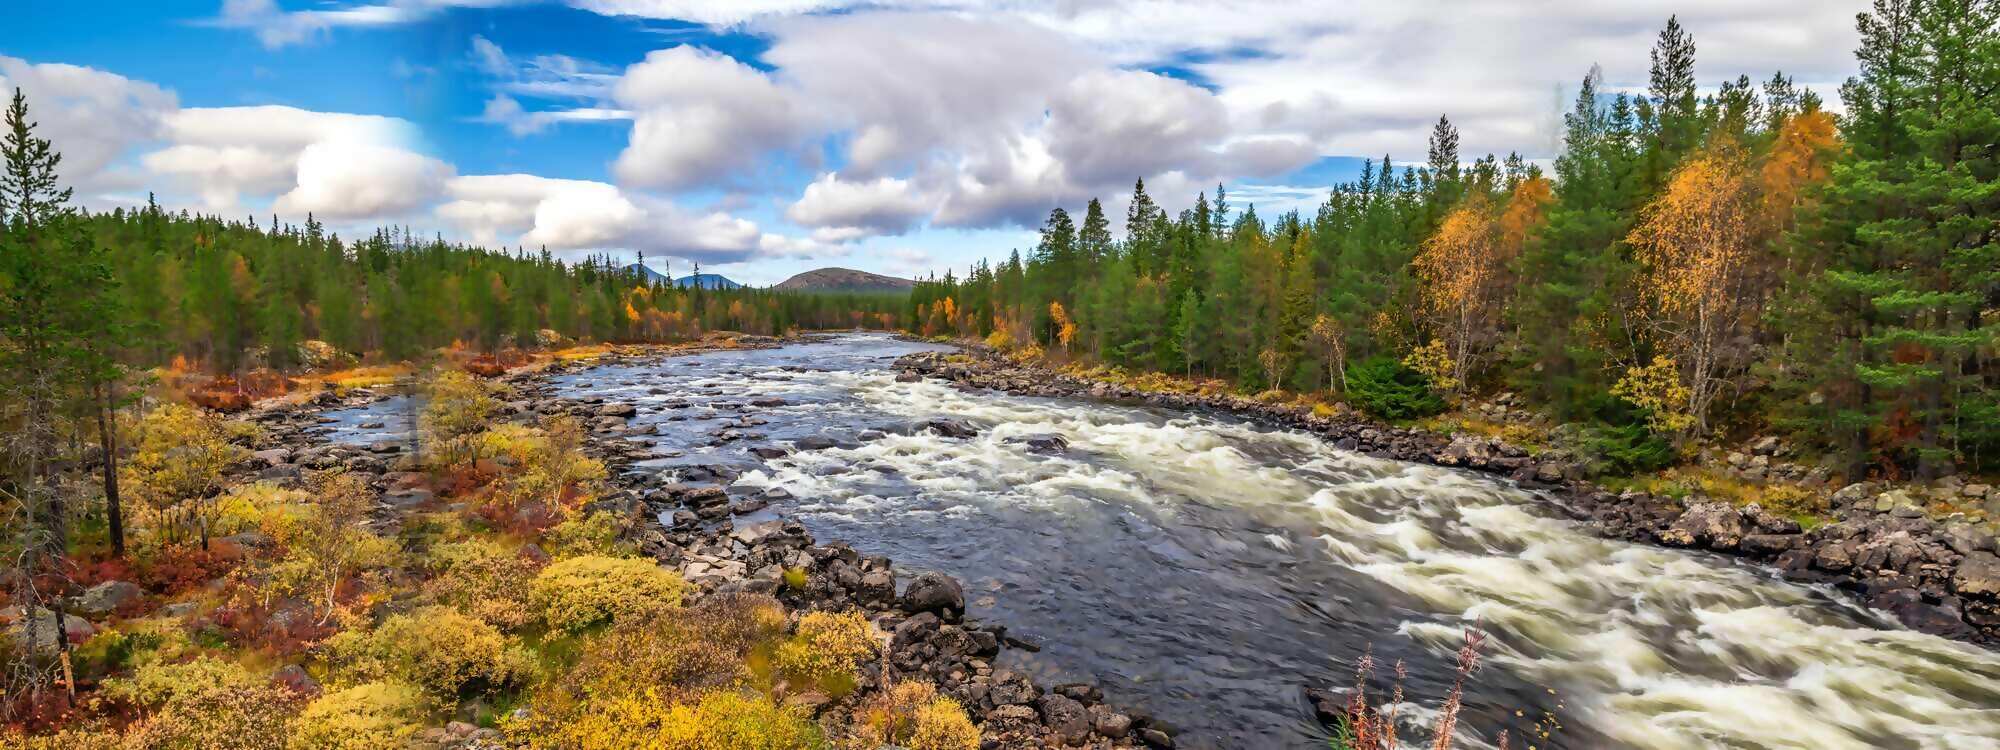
<point x="1204" y="561"/>
<point x="1934" y="577"/>
<point x="728" y="543"/>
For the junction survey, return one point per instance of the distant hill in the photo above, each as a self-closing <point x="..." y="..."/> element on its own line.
<point x="844" y="280"/>
<point x="708" y="280"/>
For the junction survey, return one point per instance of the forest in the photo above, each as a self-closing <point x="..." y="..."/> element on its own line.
<point x="1697" y="266"/>
<point x="1694" y="265"/>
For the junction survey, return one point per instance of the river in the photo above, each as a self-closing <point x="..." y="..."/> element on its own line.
<point x="1204" y="568"/>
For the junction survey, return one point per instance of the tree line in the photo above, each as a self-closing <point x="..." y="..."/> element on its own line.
<point x="89" y="301"/>
<point x="1697" y="263"/>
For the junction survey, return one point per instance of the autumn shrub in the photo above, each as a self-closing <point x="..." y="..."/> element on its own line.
<point x="453" y="417"/>
<point x="912" y="715"/>
<point x="721" y="720"/>
<point x="825" y="650"/>
<point x="326" y="542"/>
<point x="714" y="645"/>
<point x="71" y="738"/>
<point x="598" y="533"/>
<point x="154" y="685"/>
<point x="434" y="648"/>
<point x="580" y="592"/>
<point x="1389" y="389"/>
<point x="176" y="464"/>
<point x="552" y="470"/>
<point x="372" y="716"/>
<point x="233" y="717"/>
<point x="203" y="703"/>
<point x="484" y="579"/>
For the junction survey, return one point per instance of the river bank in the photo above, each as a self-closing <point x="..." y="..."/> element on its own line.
<point x="726" y="542"/>
<point x="1932" y="577"/>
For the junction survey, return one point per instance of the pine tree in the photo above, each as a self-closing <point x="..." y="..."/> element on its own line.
<point x="1900" y="257"/>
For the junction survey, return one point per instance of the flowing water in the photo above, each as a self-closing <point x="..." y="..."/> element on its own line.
<point x="1204" y="568"/>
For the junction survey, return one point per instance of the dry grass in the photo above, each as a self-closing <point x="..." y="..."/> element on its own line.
<point x="1369" y="725"/>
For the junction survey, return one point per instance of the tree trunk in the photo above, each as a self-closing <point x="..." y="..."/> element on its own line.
<point x="114" y="510"/>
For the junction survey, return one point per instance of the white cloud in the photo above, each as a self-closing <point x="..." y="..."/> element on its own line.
<point x="348" y="180"/>
<point x="1114" y="125"/>
<point x="567" y="215"/>
<point x="277" y="27"/>
<point x="93" y="117"/>
<point x="699" y="117"/>
<point x="842" y="210"/>
<point x="226" y="153"/>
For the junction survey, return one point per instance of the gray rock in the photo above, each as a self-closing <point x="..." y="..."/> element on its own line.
<point x="934" y="592"/>
<point x="1066" y="717"/>
<point x="1978" y="575"/>
<point x="106" y="598"/>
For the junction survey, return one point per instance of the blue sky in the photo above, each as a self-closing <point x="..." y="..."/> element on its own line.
<point x="765" y="137"/>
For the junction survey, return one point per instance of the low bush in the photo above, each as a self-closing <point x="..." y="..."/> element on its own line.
<point x="374" y="716"/>
<point x="1388" y="389"/>
<point x="154" y="685"/>
<point x="598" y="534"/>
<point x="581" y="592"/>
<point x="722" y="720"/>
<point x="716" y="645"/>
<point x="484" y="579"/>
<point x="825" y="651"/>
<point x="912" y="715"/>
<point x="203" y="703"/>
<point x="435" y="648"/>
<point x="1619" y="441"/>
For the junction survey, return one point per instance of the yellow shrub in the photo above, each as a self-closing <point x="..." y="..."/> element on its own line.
<point x="179" y="454"/>
<point x="595" y="534"/>
<point x="248" y="507"/>
<point x="238" y="717"/>
<point x="826" y="649"/>
<point x="435" y="648"/>
<point x="454" y="416"/>
<point x="375" y="716"/>
<point x="203" y="703"/>
<point x="1656" y="388"/>
<point x="914" y="716"/>
<point x="484" y="579"/>
<point x="583" y="591"/>
<point x="723" y="720"/>
<point x="67" y="739"/>
<point x="155" y="684"/>
<point x="712" y="646"/>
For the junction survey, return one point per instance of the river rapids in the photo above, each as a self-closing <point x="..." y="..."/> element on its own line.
<point x="1204" y="568"/>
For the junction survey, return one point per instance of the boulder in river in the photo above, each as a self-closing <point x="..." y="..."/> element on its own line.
<point x="951" y="428"/>
<point x="935" y="592"/>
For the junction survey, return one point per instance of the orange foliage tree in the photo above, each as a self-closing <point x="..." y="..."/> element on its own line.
<point x="1065" y="328"/>
<point x="1694" y="244"/>
<point x="1459" y="267"/>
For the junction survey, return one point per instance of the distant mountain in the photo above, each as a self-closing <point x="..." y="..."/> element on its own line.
<point x="708" y="280"/>
<point x="844" y="280"/>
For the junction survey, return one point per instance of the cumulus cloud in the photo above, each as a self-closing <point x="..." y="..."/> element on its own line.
<point x="226" y="153"/>
<point x="348" y="180"/>
<point x="700" y="116"/>
<point x="841" y="210"/>
<point x="911" y="84"/>
<point x="93" y="117"/>
<point x="563" y="215"/>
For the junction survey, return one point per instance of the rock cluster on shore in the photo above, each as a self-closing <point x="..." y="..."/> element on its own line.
<point x="1939" y="577"/>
